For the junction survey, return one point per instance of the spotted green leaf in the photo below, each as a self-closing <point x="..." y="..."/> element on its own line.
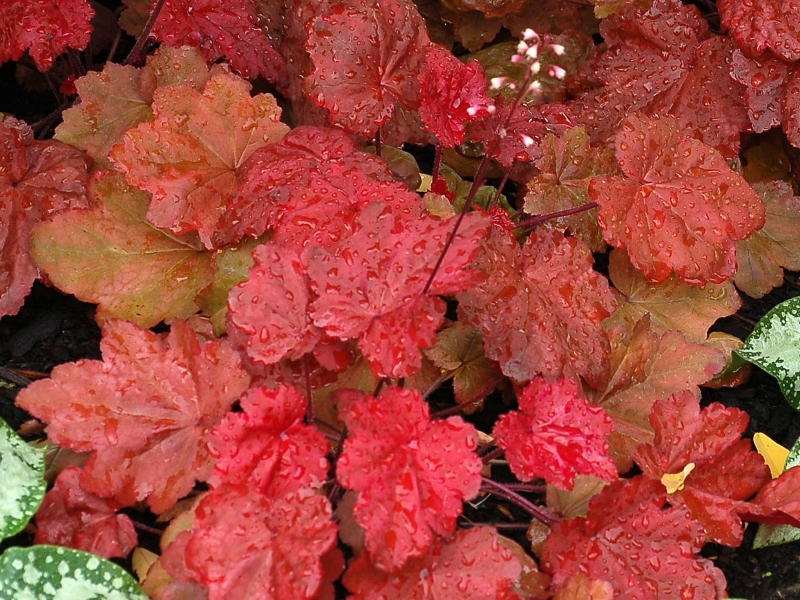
<point x="23" y="481"/>
<point x="42" y="572"/>
<point x="774" y="535"/>
<point x="774" y="345"/>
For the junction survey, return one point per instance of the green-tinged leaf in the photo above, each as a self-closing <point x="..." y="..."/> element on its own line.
<point x="774" y="535"/>
<point x="774" y="346"/>
<point x="42" y="572"/>
<point x="23" y="485"/>
<point x="112" y="256"/>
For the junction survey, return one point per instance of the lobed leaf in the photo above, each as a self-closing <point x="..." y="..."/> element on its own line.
<point x="144" y="411"/>
<point x="395" y="459"/>
<point x="680" y="210"/>
<point x="767" y="26"/>
<point x="112" y="256"/>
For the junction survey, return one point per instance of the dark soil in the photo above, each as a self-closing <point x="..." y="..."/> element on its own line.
<point x="53" y="328"/>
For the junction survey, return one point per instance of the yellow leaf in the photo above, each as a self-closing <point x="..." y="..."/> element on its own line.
<point x="774" y="454"/>
<point x="674" y="481"/>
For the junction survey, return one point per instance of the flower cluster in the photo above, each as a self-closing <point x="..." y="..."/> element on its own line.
<point x="528" y="52"/>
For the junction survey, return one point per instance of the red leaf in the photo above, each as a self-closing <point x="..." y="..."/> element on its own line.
<point x="452" y="94"/>
<point x="472" y="565"/>
<point x="45" y="28"/>
<point x="555" y="435"/>
<point x="227" y="29"/>
<point x="37" y="180"/>
<point x="268" y="313"/>
<point x="189" y="155"/>
<point x="660" y="61"/>
<point x="268" y="447"/>
<point x="372" y="285"/>
<point x="367" y="55"/>
<point x="143" y="411"/>
<point x="682" y="207"/>
<point x="70" y="516"/>
<point x="762" y="26"/>
<point x="644" y="551"/>
<point x="312" y="177"/>
<point x="512" y="133"/>
<point x="411" y="474"/>
<point x="726" y="471"/>
<point x="246" y="545"/>
<point x="541" y="307"/>
<point x="779" y="500"/>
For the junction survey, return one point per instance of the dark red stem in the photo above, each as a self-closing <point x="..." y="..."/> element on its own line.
<point x="529" y="224"/>
<point x="498" y="489"/>
<point x="148" y="27"/>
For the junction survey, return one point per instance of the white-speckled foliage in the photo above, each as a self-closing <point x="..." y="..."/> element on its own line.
<point x="43" y="572"/>
<point x="23" y="485"/>
<point x="774" y="346"/>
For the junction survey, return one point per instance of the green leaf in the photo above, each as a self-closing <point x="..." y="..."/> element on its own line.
<point x="42" y="572"/>
<point x="774" y="346"/>
<point x="774" y="535"/>
<point x="23" y="485"/>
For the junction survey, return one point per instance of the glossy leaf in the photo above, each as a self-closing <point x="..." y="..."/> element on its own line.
<point x="774" y="345"/>
<point x="555" y="435"/>
<point x="624" y="516"/>
<point x="24" y="485"/>
<point x="72" y="517"/>
<point x="51" y="572"/>
<point x="767" y="252"/>
<point x="680" y="210"/>
<point x="366" y="56"/>
<point x="281" y="559"/>
<point x="452" y="93"/>
<point x="227" y="29"/>
<point x="766" y="26"/>
<point x="646" y="366"/>
<point x="395" y="459"/>
<point x="37" y="180"/>
<point x="725" y="471"/>
<point x="188" y="156"/>
<point x="472" y="565"/>
<point x="44" y="28"/>
<point x="267" y="446"/>
<point x="111" y="255"/>
<point x="143" y="412"/>
<point x="540" y="307"/>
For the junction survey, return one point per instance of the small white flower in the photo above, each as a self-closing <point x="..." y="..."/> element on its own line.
<point x="497" y="82"/>
<point x="558" y="49"/>
<point x="535" y="67"/>
<point x="532" y="53"/>
<point x="535" y="86"/>
<point x="522" y="48"/>
<point x="517" y="58"/>
<point x="527" y="140"/>
<point x="529" y="35"/>
<point x="557" y="72"/>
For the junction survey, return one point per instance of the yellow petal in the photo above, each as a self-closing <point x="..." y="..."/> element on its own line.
<point x="774" y="454"/>
<point x="674" y="481"/>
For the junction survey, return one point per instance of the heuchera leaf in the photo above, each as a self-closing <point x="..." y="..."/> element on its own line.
<point x="395" y="459"/>
<point x="672" y="304"/>
<point x="540" y="307"/>
<point x="268" y="447"/>
<point x="45" y="28"/>
<point x="660" y="61"/>
<point x="366" y="55"/>
<point x="372" y="285"/>
<point x="144" y="411"/>
<point x="646" y="552"/>
<point x="70" y="516"/>
<point x="555" y="435"/>
<point x="112" y="256"/>
<point x="285" y="540"/>
<point x="726" y="471"/>
<point x="119" y="97"/>
<point x="312" y="177"/>
<point x="189" y="155"/>
<point x="452" y="93"/>
<point x="567" y="164"/>
<point x="472" y="565"/>
<point x="764" y="255"/>
<point x="227" y="29"/>
<point x="768" y="25"/>
<point x="681" y="209"/>
<point x="37" y="179"/>
<point x="646" y="366"/>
